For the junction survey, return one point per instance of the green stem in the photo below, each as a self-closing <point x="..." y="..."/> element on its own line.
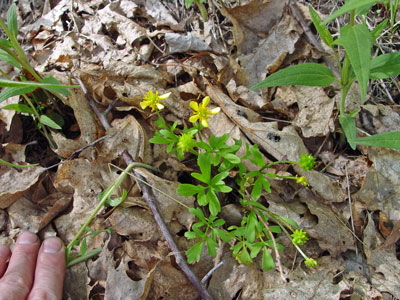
<point x="87" y="255"/>
<point x="203" y="10"/>
<point x="106" y="195"/>
<point x="16" y="166"/>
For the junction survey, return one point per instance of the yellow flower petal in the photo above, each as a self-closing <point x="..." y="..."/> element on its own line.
<point x="144" y="104"/>
<point x="193" y="119"/>
<point x="165" y="96"/>
<point x="160" y="106"/>
<point x="194" y="105"/>
<point x="204" y="122"/>
<point x="205" y="101"/>
<point x="214" y="111"/>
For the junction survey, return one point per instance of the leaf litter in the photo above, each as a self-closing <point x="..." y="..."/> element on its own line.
<point x="122" y="49"/>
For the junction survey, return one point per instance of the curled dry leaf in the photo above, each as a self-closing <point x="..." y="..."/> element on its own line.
<point x="185" y="42"/>
<point x="381" y="188"/>
<point x="22" y="180"/>
<point x="28" y="216"/>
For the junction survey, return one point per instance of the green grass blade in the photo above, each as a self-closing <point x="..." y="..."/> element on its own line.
<point x="357" y="41"/>
<point x="10" y="83"/>
<point x="49" y="122"/>
<point x="385" y="140"/>
<point x="349" y="6"/>
<point x="309" y="74"/>
<point x="385" y="66"/>
<point x="22" y="108"/>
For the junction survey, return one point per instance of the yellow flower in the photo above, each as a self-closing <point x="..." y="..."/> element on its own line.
<point x="201" y="112"/>
<point x="153" y="100"/>
<point x="302" y="180"/>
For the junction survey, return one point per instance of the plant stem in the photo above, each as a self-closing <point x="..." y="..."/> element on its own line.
<point x="87" y="255"/>
<point x="203" y="10"/>
<point x="106" y="195"/>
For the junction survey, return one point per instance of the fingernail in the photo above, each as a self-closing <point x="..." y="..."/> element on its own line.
<point x="27" y="238"/>
<point x="51" y="245"/>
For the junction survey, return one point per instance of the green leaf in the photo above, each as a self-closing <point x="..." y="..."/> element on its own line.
<point x="203" y="161"/>
<point x="211" y="245"/>
<point x="267" y="260"/>
<point x="254" y="249"/>
<point x="385" y="66"/>
<point x="258" y="159"/>
<point x="376" y="32"/>
<point x="160" y="140"/>
<point x="62" y="89"/>
<point x="385" y="140"/>
<point x="83" y="247"/>
<point x="220" y="142"/>
<point x="244" y="257"/>
<point x="256" y="191"/>
<point x="193" y="254"/>
<point x="12" y="23"/>
<point x="348" y="124"/>
<point x="223" y="188"/>
<point x="14" y="91"/>
<point x="231" y="158"/>
<point x="213" y="201"/>
<point x="217" y="179"/>
<point x="266" y="185"/>
<point x="309" y="74"/>
<point x="5" y="43"/>
<point x="202" y="198"/>
<point x="255" y="204"/>
<point x="200" y="177"/>
<point x="22" y="108"/>
<point x="224" y="235"/>
<point x="348" y="7"/>
<point x="187" y="190"/>
<point x="4" y="56"/>
<point x="357" y="41"/>
<point x="188" y="3"/>
<point x="190" y="235"/>
<point x="46" y="120"/>
<point x="10" y="83"/>
<point x="251" y="226"/>
<point x="218" y="222"/>
<point x="199" y="214"/>
<point x="291" y="221"/>
<point x="321" y="28"/>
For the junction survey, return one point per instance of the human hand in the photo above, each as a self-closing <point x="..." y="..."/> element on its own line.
<point x="32" y="273"/>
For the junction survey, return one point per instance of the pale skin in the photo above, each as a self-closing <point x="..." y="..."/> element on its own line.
<point x="32" y="271"/>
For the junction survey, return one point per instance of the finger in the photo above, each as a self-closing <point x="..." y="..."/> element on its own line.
<point x="17" y="281"/>
<point x="5" y="254"/>
<point x="50" y="269"/>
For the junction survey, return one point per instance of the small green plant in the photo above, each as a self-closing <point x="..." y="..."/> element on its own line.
<point x="28" y="81"/>
<point x="107" y="198"/>
<point x="218" y="162"/>
<point x="357" y="42"/>
<point x="201" y="7"/>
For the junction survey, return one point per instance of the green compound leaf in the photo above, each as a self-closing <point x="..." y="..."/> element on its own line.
<point x="12" y="23"/>
<point x="267" y="260"/>
<point x="357" y="40"/>
<point x="46" y="120"/>
<point x="193" y="254"/>
<point x="309" y="74"/>
<point x="203" y="161"/>
<point x="224" y="235"/>
<point x="348" y="7"/>
<point x="385" y="66"/>
<point x="187" y="190"/>
<point x="257" y="188"/>
<point x="199" y="214"/>
<point x="211" y="246"/>
<point x="232" y="158"/>
<point x="213" y="202"/>
<point x="14" y="91"/>
<point x="348" y="124"/>
<point x="321" y="28"/>
<point x="385" y="140"/>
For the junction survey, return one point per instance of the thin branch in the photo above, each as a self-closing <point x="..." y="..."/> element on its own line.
<point x="148" y="196"/>
<point x="278" y="258"/>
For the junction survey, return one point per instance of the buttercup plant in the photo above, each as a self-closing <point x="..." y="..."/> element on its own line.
<point x="356" y="42"/>
<point x="218" y="162"/>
